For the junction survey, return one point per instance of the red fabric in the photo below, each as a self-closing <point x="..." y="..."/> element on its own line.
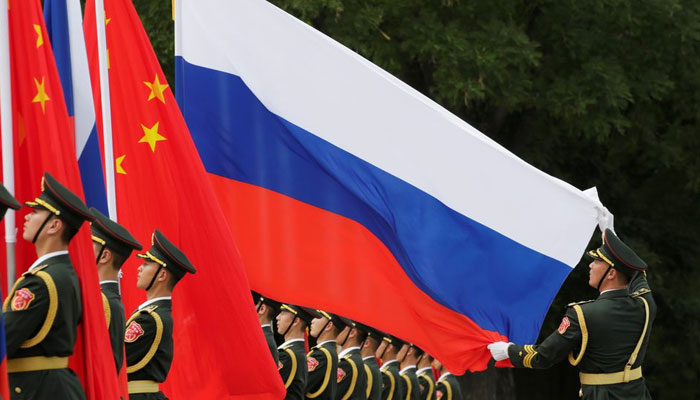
<point x="44" y="142"/>
<point x="220" y="350"/>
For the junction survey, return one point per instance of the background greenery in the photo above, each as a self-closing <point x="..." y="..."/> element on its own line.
<point x="596" y="92"/>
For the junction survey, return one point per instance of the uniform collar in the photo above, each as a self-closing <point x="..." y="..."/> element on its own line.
<point x="288" y="342"/>
<point x="444" y="375"/>
<point x="367" y="358"/>
<point x="151" y="301"/>
<point x="266" y="326"/>
<point x="609" y="294"/>
<point x="424" y="369"/>
<point x="406" y="369"/>
<point x="346" y="351"/>
<point x="324" y="342"/>
<point x="46" y="257"/>
<point x="388" y="363"/>
<point x="114" y="282"/>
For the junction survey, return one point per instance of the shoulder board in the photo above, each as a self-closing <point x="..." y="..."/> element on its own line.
<point x="579" y="302"/>
<point x="36" y="269"/>
<point x="641" y="292"/>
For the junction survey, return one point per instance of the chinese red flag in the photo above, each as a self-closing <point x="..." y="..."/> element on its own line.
<point x="43" y="141"/>
<point x="220" y="351"/>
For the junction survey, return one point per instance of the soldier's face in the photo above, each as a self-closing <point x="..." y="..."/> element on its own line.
<point x="343" y="335"/>
<point x="596" y="270"/>
<point x="381" y="349"/>
<point x="32" y="222"/>
<point x="145" y="274"/>
<point x="283" y="319"/>
<point x="317" y="325"/>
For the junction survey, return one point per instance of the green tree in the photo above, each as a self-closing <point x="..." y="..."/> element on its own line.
<point x="595" y="92"/>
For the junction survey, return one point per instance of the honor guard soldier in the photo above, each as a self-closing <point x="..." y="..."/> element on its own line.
<point x="408" y="358"/>
<point x="322" y="360"/>
<point x="393" y="387"/>
<point x="149" y="331"/>
<point x="292" y="322"/>
<point x="44" y="307"/>
<point x="426" y="380"/>
<point x="112" y="245"/>
<point x="447" y="387"/>
<point x="7" y="201"/>
<point x="352" y="378"/>
<point x="368" y="350"/>
<point x="605" y="338"/>
<point x="266" y="309"/>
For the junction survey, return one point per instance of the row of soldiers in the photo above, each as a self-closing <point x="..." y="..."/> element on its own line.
<point x="343" y="364"/>
<point x="44" y="307"/>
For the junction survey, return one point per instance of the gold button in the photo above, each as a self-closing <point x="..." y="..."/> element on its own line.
<point x="17" y="389"/>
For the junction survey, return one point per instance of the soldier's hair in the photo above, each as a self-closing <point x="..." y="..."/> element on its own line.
<point x="417" y="351"/>
<point x="117" y="259"/>
<point x="172" y="281"/>
<point x="68" y="232"/>
<point x="361" y="335"/>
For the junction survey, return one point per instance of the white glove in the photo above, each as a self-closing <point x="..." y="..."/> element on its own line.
<point x="499" y="350"/>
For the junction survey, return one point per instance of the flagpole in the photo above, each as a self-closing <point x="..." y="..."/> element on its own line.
<point x="8" y="159"/>
<point x="106" y="108"/>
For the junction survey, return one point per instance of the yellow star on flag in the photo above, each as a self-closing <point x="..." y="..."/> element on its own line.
<point x="41" y="96"/>
<point x="157" y="89"/>
<point x="118" y="162"/>
<point x="151" y="136"/>
<point x="39" y="35"/>
<point x="107" y="20"/>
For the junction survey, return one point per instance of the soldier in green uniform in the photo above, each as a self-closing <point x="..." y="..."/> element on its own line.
<point x="322" y="360"/>
<point x="408" y="358"/>
<point x="447" y="387"/>
<point x="368" y="349"/>
<point x="44" y="307"/>
<point x="7" y="201"/>
<point x="393" y="387"/>
<point x="426" y="380"/>
<point x="352" y="377"/>
<point x="292" y="322"/>
<point x="112" y="245"/>
<point x="267" y="309"/>
<point x="148" y="338"/>
<point x="605" y="338"/>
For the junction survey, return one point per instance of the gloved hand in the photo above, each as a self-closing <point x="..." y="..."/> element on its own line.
<point x="499" y="350"/>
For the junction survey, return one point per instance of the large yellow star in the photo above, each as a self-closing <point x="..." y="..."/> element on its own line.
<point x="118" y="162"/>
<point x="151" y="136"/>
<point x="41" y="96"/>
<point x="39" y="35"/>
<point x="157" y="89"/>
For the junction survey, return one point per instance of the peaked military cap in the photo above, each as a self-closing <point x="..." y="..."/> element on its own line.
<point x="258" y="298"/>
<point x="393" y="340"/>
<point x="617" y="254"/>
<point x="61" y="202"/>
<point x="304" y="313"/>
<point x="167" y="255"/>
<point x="371" y="332"/>
<point x="338" y="321"/>
<point x="7" y="201"/>
<point x="112" y="235"/>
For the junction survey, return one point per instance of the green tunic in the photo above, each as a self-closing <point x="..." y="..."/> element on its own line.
<point x="42" y="312"/>
<point x="392" y="384"/>
<point x="352" y="377"/>
<point x="608" y="330"/>
<point x="411" y="386"/>
<point x="270" y="338"/>
<point x="374" y="378"/>
<point x="114" y="315"/>
<point x="292" y="368"/>
<point x="426" y="381"/>
<point x="148" y="341"/>
<point x="447" y="388"/>
<point x="322" y="364"/>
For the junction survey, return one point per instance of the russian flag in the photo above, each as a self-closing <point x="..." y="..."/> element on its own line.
<point x="64" y="24"/>
<point x="348" y="190"/>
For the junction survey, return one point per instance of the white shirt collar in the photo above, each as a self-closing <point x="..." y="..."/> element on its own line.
<point x="46" y="257"/>
<point x="151" y="301"/>
<point x="324" y="342"/>
<point x="103" y="282"/>
<point x="424" y="369"/>
<point x="288" y="342"/>
<point x="386" y="364"/>
<point x="444" y="374"/>
<point x="264" y="325"/>
<point x="367" y="358"/>
<point x="346" y="351"/>
<point x="406" y="369"/>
